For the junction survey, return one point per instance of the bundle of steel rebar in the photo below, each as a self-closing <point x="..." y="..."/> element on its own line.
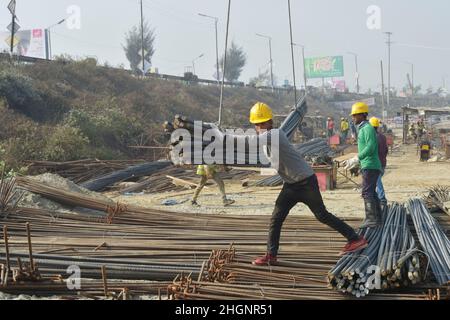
<point x="433" y="239"/>
<point x="391" y="259"/>
<point x="227" y="275"/>
<point x="439" y="197"/>
<point x="141" y="170"/>
<point x="80" y="170"/>
<point x="9" y="195"/>
<point x="233" y="150"/>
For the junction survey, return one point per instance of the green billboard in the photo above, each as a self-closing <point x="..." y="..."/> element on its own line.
<point x="324" y="67"/>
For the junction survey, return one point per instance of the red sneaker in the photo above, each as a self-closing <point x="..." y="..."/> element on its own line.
<point x="266" y="260"/>
<point x="354" y="246"/>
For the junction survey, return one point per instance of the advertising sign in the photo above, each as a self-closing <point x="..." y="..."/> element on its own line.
<point x="324" y="67"/>
<point x="29" y="43"/>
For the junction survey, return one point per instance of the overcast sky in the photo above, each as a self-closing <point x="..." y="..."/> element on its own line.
<point x="326" y="27"/>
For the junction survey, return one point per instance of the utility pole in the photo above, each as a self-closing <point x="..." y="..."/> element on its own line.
<point x="48" y="45"/>
<point x="12" y="9"/>
<point x="304" y="66"/>
<point x="357" y="71"/>
<point x="271" y="60"/>
<point x="389" y="43"/>
<point x="292" y="53"/>
<point x="216" y="21"/>
<point x="142" y="39"/>
<point x="224" y="65"/>
<point x="382" y="92"/>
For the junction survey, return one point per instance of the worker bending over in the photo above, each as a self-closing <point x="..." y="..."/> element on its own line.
<point x="300" y="185"/>
<point x="383" y="151"/>
<point x="210" y="172"/>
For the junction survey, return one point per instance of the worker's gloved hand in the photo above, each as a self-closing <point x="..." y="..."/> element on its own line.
<point x="351" y="163"/>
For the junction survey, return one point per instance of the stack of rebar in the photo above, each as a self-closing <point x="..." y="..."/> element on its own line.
<point x="81" y="170"/>
<point x="391" y="259"/>
<point x="139" y="244"/>
<point x="433" y="239"/>
<point x="439" y="197"/>
<point x="236" y="149"/>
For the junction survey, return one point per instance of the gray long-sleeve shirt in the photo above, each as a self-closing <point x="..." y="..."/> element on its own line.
<point x="283" y="157"/>
<point x="292" y="167"/>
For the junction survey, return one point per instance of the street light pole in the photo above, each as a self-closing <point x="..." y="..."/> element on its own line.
<point x="304" y="66"/>
<point x="48" y="51"/>
<point x="216" y="21"/>
<point x="357" y="71"/>
<point x="271" y="60"/>
<point x="193" y="62"/>
<point x="389" y="43"/>
<point x="142" y="39"/>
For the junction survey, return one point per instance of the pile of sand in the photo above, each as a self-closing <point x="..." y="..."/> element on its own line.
<point x="32" y="200"/>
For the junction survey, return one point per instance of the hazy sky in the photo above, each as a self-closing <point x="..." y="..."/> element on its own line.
<point x="326" y="27"/>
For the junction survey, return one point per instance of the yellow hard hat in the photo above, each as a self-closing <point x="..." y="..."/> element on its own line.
<point x="260" y="113"/>
<point x="375" y="122"/>
<point x="360" y="107"/>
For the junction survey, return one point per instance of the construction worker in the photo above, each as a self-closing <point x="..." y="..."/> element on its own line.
<point x="345" y="127"/>
<point x="383" y="151"/>
<point x="425" y="148"/>
<point x="210" y="172"/>
<point x="369" y="162"/>
<point x="300" y="185"/>
<point x="330" y="127"/>
<point x="412" y="132"/>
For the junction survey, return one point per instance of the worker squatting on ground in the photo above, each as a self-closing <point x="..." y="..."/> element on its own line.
<point x="370" y="164"/>
<point x="383" y="151"/>
<point x="210" y="172"/>
<point x="300" y="185"/>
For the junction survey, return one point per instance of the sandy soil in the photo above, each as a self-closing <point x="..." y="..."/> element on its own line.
<point x="405" y="177"/>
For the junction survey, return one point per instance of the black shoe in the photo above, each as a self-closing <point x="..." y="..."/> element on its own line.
<point x="194" y="203"/>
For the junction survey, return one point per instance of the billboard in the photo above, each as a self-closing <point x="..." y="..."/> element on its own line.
<point x="30" y="43"/>
<point x="348" y="104"/>
<point x="339" y="85"/>
<point x="324" y="67"/>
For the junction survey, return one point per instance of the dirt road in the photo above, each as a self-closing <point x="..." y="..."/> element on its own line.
<point x="405" y="177"/>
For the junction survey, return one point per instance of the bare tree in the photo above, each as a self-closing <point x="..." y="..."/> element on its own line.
<point x="133" y="46"/>
<point x="236" y="60"/>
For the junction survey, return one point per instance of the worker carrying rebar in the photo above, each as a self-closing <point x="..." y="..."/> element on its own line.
<point x="300" y="186"/>
<point x="345" y="127"/>
<point x="383" y="151"/>
<point x="369" y="162"/>
<point x="210" y="172"/>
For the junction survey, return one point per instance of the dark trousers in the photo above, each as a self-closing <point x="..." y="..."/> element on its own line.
<point x="306" y="192"/>
<point x="369" y="187"/>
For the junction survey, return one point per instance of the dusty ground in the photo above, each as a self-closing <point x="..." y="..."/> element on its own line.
<point x="406" y="177"/>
